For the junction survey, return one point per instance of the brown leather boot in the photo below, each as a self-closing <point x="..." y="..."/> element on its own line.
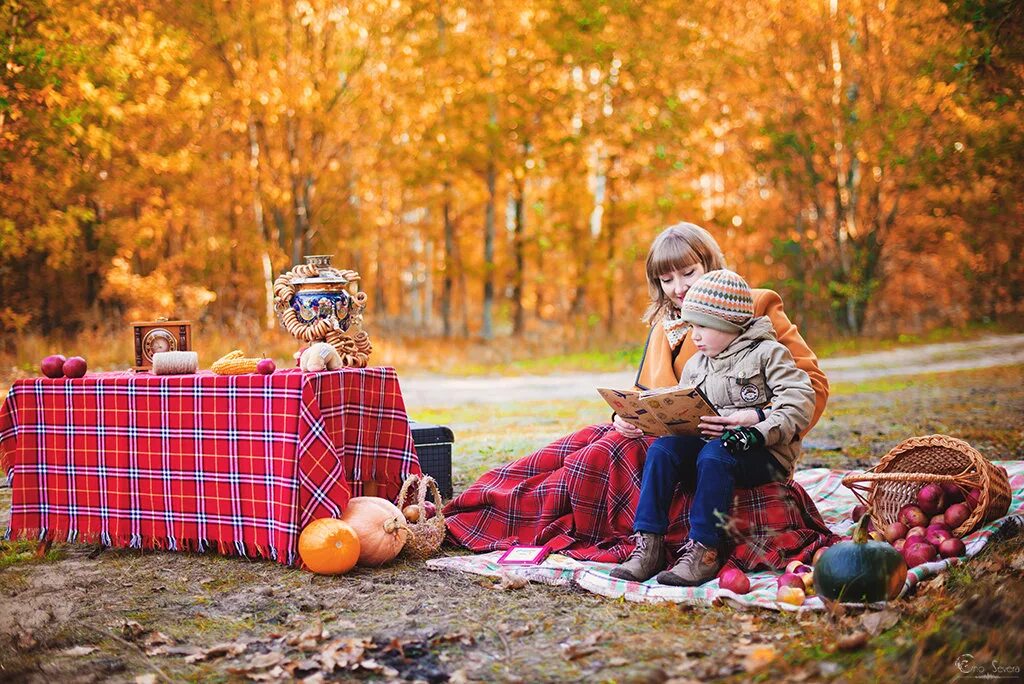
<point x="696" y="565"/>
<point x="646" y="560"/>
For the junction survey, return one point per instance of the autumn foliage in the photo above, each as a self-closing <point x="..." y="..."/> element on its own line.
<point x="498" y="167"/>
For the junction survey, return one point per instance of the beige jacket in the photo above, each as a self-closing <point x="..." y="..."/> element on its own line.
<point x="756" y="371"/>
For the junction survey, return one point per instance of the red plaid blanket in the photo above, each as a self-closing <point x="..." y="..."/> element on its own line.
<point x="579" y="495"/>
<point x="241" y="463"/>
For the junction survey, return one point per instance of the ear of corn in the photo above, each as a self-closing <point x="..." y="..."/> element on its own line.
<point x="234" y="363"/>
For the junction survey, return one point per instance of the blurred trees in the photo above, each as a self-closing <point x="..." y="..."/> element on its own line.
<point x="499" y="168"/>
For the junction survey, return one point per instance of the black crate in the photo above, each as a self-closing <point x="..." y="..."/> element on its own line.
<point x="434" y="450"/>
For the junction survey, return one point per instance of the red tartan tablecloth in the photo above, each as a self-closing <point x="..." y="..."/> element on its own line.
<point x="241" y="463"/>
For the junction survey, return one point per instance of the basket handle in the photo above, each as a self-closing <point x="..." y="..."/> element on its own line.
<point x="426" y="482"/>
<point x="963" y="478"/>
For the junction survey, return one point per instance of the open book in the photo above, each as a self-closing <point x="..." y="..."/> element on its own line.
<point x="660" y="412"/>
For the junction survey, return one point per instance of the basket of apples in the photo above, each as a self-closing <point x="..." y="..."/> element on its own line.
<point x="927" y="493"/>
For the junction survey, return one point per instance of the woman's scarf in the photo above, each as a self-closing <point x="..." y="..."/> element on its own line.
<point x="675" y="328"/>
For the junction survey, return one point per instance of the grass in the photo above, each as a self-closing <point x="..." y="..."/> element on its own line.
<point x="203" y="599"/>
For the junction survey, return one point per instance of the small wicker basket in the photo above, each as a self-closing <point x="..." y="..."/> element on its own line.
<point x="427" y="534"/>
<point x="896" y="479"/>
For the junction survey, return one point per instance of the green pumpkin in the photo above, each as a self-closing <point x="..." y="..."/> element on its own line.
<point x="860" y="571"/>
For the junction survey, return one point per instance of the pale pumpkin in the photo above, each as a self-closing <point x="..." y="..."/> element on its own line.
<point x="329" y="546"/>
<point x="381" y="528"/>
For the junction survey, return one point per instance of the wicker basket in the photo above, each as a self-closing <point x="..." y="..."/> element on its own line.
<point x="427" y="534"/>
<point x="895" y="481"/>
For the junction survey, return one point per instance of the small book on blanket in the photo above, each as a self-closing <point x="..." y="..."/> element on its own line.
<point x="660" y="412"/>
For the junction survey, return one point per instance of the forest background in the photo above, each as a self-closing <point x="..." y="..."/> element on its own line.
<point x="496" y="170"/>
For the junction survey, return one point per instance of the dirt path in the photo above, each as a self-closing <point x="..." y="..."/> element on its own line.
<point x="438" y="391"/>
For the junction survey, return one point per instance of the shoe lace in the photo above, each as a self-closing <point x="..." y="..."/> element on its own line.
<point x="640" y="547"/>
<point x="688" y="545"/>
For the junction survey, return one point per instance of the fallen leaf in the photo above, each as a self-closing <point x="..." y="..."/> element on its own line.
<point x="758" y="657"/>
<point x="265" y="660"/>
<point x="26" y="641"/>
<point x="511" y="581"/>
<point x="576" y="651"/>
<point x="618" y="662"/>
<point x="79" y="651"/>
<point x="876" y="623"/>
<point x="229" y="648"/>
<point x="156" y="639"/>
<point x="852" y="642"/>
<point x="454" y="637"/>
<point x="148" y="678"/>
<point x="132" y="630"/>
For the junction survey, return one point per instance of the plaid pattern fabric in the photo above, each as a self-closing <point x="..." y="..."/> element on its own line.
<point x="579" y="495"/>
<point x="823" y="486"/>
<point x="239" y="463"/>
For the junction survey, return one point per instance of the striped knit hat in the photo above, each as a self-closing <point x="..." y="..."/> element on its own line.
<point x="720" y="300"/>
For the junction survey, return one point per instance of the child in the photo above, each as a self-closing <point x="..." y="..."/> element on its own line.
<point x="741" y="367"/>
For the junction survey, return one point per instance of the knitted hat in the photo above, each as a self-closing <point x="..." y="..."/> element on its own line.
<point x="720" y="300"/>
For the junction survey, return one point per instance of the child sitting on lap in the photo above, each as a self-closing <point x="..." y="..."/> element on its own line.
<point x="740" y="367"/>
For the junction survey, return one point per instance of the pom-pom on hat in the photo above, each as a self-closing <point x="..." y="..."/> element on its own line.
<point x="720" y="300"/>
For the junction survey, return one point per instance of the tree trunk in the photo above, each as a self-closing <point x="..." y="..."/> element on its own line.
<point x="518" y="315"/>
<point x="487" y="325"/>
<point x="447" y="285"/>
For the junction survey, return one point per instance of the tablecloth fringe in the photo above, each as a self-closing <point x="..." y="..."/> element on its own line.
<point x="146" y="542"/>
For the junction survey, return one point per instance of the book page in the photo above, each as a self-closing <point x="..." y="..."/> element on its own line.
<point x="679" y="409"/>
<point x="627" y="404"/>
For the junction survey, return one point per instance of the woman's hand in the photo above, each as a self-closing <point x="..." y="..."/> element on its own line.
<point x="714" y="426"/>
<point x="625" y="429"/>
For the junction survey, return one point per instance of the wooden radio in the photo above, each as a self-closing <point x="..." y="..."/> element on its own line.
<point x="159" y="336"/>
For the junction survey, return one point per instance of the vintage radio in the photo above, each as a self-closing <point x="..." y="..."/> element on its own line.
<point x="159" y="336"/>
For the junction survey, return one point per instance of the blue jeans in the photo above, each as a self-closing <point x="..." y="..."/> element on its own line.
<point x="707" y="469"/>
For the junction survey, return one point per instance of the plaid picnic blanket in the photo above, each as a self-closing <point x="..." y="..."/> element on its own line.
<point x="579" y="494"/>
<point x="835" y="503"/>
<point x="239" y="463"/>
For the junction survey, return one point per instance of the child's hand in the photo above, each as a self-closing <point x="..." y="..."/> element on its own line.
<point x="715" y="426"/>
<point x="625" y="429"/>
<point x="741" y="440"/>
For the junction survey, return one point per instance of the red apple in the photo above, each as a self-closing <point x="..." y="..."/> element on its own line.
<point x="790" y="579"/>
<point x="53" y="366"/>
<point x="957" y="515"/>
<point x="937" y="535"/>
<point x="817" y="555"/>
<point x="858" y="512"/>
<point x="912" y="516"/>
<point x="899" y="544"/>
<point x="972" y="498"/>
<point x="938" y="519"/>
<point x="894" y="531"/>
<point x="953" y="492"/>
<point x="919" y="554"/>
<point x="266" y="366"/>
<point x="931" y="499"/>
<point x="952" y="547"/>
<point x="75" y="367"/>
<point x="429" y="509"/>
<point x="733" y="579"/>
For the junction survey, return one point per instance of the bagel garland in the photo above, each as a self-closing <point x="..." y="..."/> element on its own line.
<point x="353" y="345"/>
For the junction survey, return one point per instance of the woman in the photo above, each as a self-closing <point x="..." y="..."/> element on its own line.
<point x="579" y="494"/>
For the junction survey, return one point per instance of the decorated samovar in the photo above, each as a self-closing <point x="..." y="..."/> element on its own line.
<point x="319" y="303"/>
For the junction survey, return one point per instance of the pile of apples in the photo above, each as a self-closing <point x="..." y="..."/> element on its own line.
<point x="796" y="584"/>
<point x="56" y="366"/>
<point x="924" y="531"/>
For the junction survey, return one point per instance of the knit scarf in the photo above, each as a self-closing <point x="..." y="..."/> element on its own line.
<point x="675" y="328"/>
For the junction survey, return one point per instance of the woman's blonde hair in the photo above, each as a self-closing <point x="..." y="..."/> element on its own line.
<point x="676" y="248"/>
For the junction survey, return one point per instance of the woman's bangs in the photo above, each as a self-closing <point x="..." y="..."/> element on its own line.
<point x="674" y="255"/>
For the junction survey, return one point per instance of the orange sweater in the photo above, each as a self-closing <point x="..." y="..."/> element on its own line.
<point x="657" y="368"/>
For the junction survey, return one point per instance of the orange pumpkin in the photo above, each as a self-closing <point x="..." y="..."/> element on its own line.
<point x="329" y="546"/>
